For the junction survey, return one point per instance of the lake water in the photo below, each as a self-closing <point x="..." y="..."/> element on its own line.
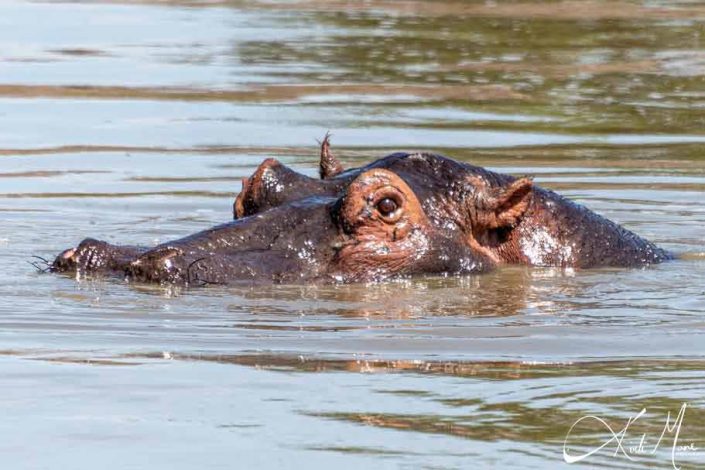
<point x="134" y="122"/>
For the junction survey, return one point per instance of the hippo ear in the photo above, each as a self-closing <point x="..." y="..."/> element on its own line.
<point x="239" y="204"/>
<point x="329" y="165"/>
<point x="502" y="206"/>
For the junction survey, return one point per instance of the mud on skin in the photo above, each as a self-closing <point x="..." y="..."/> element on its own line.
<point x="404" y="214"/>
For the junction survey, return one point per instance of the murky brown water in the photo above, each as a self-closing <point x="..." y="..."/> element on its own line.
<point x="134" y="122"/>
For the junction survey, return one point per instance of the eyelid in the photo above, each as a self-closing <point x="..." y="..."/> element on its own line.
<point x="388" y="192"/>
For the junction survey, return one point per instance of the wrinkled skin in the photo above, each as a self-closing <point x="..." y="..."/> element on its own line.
<point x="502" y="218"/>
<point x="373" y="229"/>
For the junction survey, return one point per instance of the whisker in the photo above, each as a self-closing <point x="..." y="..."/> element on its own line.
<point x="44" y="260"/>
<point x="40" y="269"/>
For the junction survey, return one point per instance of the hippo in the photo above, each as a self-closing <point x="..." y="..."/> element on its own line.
<point x="401" y="215"/>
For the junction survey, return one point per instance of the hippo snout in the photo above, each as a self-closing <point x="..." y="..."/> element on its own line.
<point x="89" y="256"/>
<point x="93" y="256"/>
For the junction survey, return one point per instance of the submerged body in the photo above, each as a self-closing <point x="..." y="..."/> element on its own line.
<point x="404" y="214"/>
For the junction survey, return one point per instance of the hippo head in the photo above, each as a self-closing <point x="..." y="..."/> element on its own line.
<point x="372" y="227"/>
<point x="462" y="201"/>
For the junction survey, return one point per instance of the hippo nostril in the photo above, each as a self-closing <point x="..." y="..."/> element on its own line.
<point x="65" y="261"/>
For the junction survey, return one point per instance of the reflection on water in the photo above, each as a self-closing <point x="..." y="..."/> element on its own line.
<point x="135" y="121"/>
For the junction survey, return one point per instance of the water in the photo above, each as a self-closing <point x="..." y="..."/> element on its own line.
<point x="134" y="122"/>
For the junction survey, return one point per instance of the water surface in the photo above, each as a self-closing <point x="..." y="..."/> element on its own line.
<point x="134" y="122"/>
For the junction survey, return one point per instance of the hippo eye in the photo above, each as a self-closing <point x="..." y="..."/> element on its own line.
<point x="387" y="206"/>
